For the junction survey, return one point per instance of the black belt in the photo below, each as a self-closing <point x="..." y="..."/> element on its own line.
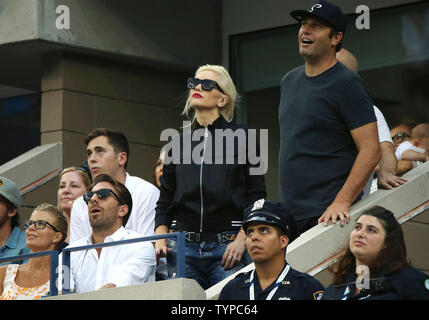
<point x="209" y="237"/>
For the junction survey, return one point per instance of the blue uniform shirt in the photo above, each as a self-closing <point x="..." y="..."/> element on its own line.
<point x="406" y="284"/>
<point x="15" y="246"/>
<point x="295" y="286"/>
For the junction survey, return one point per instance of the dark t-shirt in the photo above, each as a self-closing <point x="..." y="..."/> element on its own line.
<point x="317" y="150"/>
<point x="408" y="283"/>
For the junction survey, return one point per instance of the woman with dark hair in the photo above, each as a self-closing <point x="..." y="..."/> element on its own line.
<point x="375" y="264"/>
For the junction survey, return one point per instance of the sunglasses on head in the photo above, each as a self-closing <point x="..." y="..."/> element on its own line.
<point x="38" y="224"/>
<point x="206" y="84"/>
<point x="101" y="194"/>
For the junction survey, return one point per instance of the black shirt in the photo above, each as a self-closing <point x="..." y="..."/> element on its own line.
<point x="209" y="195"/>
<point x="405" y="284"/>
<point x="317" y="150"/>
<point x="295" y="286"/>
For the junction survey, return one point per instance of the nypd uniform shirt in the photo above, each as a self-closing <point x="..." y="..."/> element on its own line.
<point x="405" y="284"/>
<point x="295" y="286"/>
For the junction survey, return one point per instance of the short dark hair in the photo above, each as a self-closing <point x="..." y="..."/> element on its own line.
<point x="120" y="189"/>
<point x="393" y="256"/>
<point x="10" y="207"/>
<point x="331" y="34"/>
<point x="116" y="138"/>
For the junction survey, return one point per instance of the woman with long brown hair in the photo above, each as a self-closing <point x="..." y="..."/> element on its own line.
<point x="375" y="264"/>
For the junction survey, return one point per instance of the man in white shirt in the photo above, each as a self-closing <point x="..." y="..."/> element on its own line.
<point x="109" y="206"/>
<point x="108" y="152"/>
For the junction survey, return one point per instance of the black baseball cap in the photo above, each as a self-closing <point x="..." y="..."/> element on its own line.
<point x="273" y="213"/>
<point x="325" y="11"/>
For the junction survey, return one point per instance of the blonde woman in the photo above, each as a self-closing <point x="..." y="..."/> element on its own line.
<point x="46" y="230"/>
<point x="74" y="182"/>
<point x="206" y="197"/>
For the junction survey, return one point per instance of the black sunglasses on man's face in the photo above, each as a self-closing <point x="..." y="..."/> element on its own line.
<point x="101" y="194"/>
<point x="206" y="84"/>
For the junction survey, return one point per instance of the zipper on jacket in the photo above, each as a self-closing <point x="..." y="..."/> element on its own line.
<point x="201" y="179"/>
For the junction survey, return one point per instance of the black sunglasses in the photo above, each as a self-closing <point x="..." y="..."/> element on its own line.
<point x="400" y="136"/>
<point x="206" y="84"/>
<point x="101" y="194"/>
<point x="38" y="224"/>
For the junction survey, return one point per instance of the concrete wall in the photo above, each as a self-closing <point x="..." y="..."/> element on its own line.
<point x="176" y="289"/>
<point x="35" y="174"/>
<point x="81" y="93"/>
<point x="163" y="31"/>
<point x="18" y="20"/>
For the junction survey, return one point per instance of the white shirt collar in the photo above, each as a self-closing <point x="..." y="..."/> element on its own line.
<point x="116" y="236"/>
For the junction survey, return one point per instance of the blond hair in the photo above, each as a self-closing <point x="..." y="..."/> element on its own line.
<point x="60" y="221"/>
<point x="228" y="87"/>
<point x="85" y="177"/>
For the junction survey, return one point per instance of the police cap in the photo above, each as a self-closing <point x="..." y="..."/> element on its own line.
<point x="272" y="213"/>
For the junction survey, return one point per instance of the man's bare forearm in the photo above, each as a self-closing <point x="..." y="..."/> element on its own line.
<point x="365" y="162"/>
<point x="388" y="162"/>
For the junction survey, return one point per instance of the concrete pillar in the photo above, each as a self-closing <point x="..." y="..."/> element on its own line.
<point x="80" y="93"/>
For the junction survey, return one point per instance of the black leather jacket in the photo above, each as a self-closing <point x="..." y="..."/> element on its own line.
<point x="200" y="195"/>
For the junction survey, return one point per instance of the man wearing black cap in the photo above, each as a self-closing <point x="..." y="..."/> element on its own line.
<point x="328" y="130"/>
<point x="269" y="229"/>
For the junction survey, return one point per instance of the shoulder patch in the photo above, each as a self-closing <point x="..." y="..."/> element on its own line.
<point x="318" y="295"/>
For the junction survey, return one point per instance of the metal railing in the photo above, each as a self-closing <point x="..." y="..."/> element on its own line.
<point x="180" y="236"/>
<point x="53" y="275"/>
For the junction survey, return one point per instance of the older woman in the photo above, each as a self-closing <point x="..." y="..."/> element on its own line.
<point x="74" y="182"/>
<point x="46" y="230"/>
<point x="375" y="264"/>
<point x="204" y="194"/>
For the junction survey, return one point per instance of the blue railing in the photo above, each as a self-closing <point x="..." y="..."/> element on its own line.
<point x="180" y="236"/>
<point x="53" y="275"/>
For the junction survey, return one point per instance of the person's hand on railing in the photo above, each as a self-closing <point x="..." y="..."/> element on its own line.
<point x="161" y="249"/>
<point x="107" y="286"/>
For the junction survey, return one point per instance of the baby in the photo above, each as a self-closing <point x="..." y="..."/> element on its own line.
<point x="417" y="148"/>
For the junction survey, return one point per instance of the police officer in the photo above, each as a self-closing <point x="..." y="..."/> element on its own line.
<point x="269" y="228"/>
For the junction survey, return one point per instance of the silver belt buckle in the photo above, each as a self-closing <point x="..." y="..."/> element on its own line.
<point x="226" y="237"/>
<point x="188" y="235"/>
